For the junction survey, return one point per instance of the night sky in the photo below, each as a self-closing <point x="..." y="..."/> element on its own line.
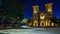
<point x="29" y="3"/>
<point x="41" y="3"/>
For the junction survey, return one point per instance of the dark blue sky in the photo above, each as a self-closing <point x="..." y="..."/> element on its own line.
<point x="29" y="3"/>
<point x="41" y="3"/>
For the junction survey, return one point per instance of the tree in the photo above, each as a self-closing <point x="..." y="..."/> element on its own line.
<point x="14" y="8"/>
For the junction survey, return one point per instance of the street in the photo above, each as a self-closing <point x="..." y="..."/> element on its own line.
<point x="31" y="31"/>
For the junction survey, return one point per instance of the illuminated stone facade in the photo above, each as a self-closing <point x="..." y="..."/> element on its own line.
<point x="42" y="19"/>
<point x="35" y="15"/>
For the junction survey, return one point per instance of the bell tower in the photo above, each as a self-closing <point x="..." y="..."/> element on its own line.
<point x="35" y="15"/>
<point x="49" y="7"/>
<point x="49" y="10"/>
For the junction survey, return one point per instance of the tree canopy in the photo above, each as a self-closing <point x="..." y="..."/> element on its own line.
<point x="13" y="7"/>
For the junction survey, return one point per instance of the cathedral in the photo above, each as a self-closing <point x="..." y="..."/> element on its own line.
<point x="42" y="18"/>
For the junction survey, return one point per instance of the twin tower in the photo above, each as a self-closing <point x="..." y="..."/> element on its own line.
<point x="43" y="18"/>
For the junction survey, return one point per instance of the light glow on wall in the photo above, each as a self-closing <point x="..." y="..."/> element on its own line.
<point x="42" y="16"/>
<point x="35" y="23"/>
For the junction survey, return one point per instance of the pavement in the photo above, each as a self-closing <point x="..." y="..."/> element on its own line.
<point x="31" y="31"/>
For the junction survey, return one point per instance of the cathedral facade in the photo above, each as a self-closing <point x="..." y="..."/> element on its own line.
<point x="43" y="18"/>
